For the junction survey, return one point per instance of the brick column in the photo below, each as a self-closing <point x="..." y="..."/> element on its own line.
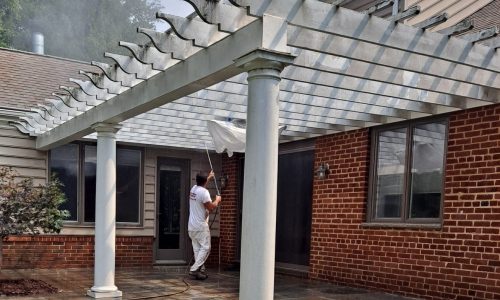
<point x="229" y="211"/>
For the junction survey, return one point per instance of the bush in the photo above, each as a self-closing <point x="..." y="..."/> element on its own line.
<point x="29" y="209"/>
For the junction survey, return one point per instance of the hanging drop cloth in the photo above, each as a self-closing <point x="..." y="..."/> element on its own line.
<point x="229" y="137"/>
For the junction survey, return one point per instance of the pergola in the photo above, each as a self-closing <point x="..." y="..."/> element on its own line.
<point x="311" y="65"/>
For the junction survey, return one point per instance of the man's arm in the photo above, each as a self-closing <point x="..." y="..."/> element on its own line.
<point x="211" y="205"/>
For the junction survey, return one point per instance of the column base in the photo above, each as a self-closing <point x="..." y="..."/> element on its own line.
<point x="100" y="295"/>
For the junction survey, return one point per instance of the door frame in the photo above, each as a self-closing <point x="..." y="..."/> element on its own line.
<point x="184" y="244"/>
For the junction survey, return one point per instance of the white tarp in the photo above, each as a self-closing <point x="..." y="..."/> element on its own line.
<point x="229" y="137"/>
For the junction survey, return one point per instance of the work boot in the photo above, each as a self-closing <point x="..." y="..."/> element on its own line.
<point x="203" y="270"/>
<point x="198" y="275"/>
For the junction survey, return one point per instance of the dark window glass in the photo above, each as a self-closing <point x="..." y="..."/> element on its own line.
<point x="427" y="170"/>
<point x="170" y="207"/>
<point x="408" y="177"/>
<point x="89" y="171"/>
<point x="128" y="185"/>
<point x="293" y="228"/>
<point x="64" y="164"/>
<point x="390" y="173"/>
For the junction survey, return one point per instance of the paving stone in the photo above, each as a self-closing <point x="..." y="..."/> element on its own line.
<point x="160" y="282"/>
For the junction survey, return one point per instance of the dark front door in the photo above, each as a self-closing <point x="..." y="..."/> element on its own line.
<point x="172" y="192"/>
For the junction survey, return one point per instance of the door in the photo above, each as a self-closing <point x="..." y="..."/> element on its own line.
<point x="294" y="213"/>
<point x="294" y="208"/>
<point x="172" y="192"/>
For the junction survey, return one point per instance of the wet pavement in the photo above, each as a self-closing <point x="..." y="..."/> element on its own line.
<point x="172" y="283"/>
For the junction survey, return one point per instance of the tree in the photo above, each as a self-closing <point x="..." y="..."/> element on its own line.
<point x="82" y="30"/>
<point x="29" y="209"/>
<point x="9" y="16"/>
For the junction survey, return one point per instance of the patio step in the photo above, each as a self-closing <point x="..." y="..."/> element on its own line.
<point x="171" y="266"/>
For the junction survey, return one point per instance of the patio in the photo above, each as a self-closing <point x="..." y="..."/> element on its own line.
<point x="154" y="283"/>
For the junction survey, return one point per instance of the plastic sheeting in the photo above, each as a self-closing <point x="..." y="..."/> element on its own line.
<point x="229" y="137"/>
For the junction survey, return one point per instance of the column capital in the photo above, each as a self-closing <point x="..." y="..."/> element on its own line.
<point x="264" y="59"/>
<point x="106" y="128"/>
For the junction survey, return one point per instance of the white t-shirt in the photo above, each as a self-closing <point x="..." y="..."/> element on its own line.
<point x="198" y="216"/>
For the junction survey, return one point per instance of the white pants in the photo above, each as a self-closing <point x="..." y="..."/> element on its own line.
<point x="201" y="247"/>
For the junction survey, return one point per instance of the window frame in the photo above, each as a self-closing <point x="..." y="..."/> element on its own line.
<point x="80" y="222"/>
<point x="405" y="218"/>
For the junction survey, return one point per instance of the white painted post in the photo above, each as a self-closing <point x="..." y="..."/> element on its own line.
<point x="105" y="213"/>
<point x="261" y="173"/>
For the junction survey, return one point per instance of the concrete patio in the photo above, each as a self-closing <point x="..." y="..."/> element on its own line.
<point x="171" y="283"/>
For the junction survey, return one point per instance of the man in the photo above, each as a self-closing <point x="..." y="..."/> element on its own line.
<point x="200" y="205"/>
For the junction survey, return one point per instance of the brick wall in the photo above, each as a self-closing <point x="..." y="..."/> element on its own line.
<point x="60" y="251"/>
<point x="459" y="261"/>
<point x="213" y="258"/>
<point x="229" y="211"/>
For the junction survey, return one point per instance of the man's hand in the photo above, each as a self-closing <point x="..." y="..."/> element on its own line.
<point x="211" y="175"/>
<point x="217" y="199"/>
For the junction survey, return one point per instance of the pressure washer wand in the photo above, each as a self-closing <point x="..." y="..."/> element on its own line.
<point x="212" y="168"/>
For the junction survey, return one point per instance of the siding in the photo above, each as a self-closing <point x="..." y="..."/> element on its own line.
<point x="198" y="163"/>
<point x="18" y="151"/>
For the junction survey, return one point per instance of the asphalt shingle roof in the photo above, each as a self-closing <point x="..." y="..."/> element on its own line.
<point x="28" y="78"/>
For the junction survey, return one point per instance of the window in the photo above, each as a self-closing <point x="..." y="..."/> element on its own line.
<point x="64" y="165"/>
<point x="75" y="165"/>
<point x="406" y="182"/>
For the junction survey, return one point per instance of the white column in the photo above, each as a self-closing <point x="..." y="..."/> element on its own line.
<point x="261" y="173"/>
<point x="105" y="213"/>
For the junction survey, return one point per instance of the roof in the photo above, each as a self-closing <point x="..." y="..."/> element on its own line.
<point x="27" y="78"/>
<point x="457" y="10"/>
<point x="487" y="16"/>
<point x="351" y="70"/>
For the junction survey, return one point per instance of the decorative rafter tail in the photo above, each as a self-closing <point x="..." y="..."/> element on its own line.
<point x="115" y="73"/>
<point x="229" y="18"/>
<point x="89" y="88"/>
<point x="202" y="34"/>
<point x="409" y="13"/>
<point x="170" y="43"/>
<point x="74" y="105"/>
<point x="482" y="35"/>
<point x="433" y="21"/>
<point x="379" y="7"/>
<point x="132" y="66"/>
<point x="150" y="55"/>
<point x="24" y="128"/>
<point x="459" y="28"/>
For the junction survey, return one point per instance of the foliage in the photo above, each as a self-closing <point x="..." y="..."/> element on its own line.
<point x="82" y="30"/>
<point x="9" y="16"/>
<point x="26" y="208"/>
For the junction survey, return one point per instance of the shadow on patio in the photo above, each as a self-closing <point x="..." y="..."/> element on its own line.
<point x="156" y="283"/>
